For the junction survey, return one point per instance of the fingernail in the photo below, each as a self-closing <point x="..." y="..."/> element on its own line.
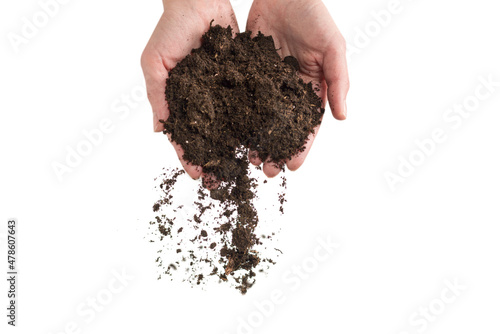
<point x="345" y="109"/>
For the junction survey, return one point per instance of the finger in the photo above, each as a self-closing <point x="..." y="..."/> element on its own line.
<point x="271" y="169"/>
<point x="298" y="160"/>
<point x="337" y="79"/>
<point x="156" y="76"/>
<point x="193" y="171"/>
<point x="253" y="156"/>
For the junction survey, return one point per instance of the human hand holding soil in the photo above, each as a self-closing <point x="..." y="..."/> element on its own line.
<point x="178" y="32"/>
<point x="232" y="94"/>
<point x="301" y="28"/>
<point x="305" y="30"/>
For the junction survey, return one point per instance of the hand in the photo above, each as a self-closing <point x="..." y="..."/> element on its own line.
<point x="179" y="31"/>
<point x="305" y="30"/>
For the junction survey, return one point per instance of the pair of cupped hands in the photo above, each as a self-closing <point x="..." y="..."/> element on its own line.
<point x="301" y="28"/>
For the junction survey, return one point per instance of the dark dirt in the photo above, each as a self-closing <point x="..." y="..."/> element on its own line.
<point x="226" y="98"/>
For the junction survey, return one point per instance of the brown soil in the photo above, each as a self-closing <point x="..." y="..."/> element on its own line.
<point x="230" y="96"/>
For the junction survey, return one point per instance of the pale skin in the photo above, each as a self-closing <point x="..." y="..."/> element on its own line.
<point x="301" y="28"/>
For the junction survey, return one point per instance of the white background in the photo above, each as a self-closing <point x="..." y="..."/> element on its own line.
<point x="397" y="248"/>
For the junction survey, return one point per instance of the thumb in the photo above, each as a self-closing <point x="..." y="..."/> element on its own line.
<point x="156" y="76"/>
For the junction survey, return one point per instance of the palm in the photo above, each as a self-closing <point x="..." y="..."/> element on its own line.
<point x="177" y="33"/>
<point x="305" y="39"/>
<point x="305" y="30"/>
<point x="180" y="29"/>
